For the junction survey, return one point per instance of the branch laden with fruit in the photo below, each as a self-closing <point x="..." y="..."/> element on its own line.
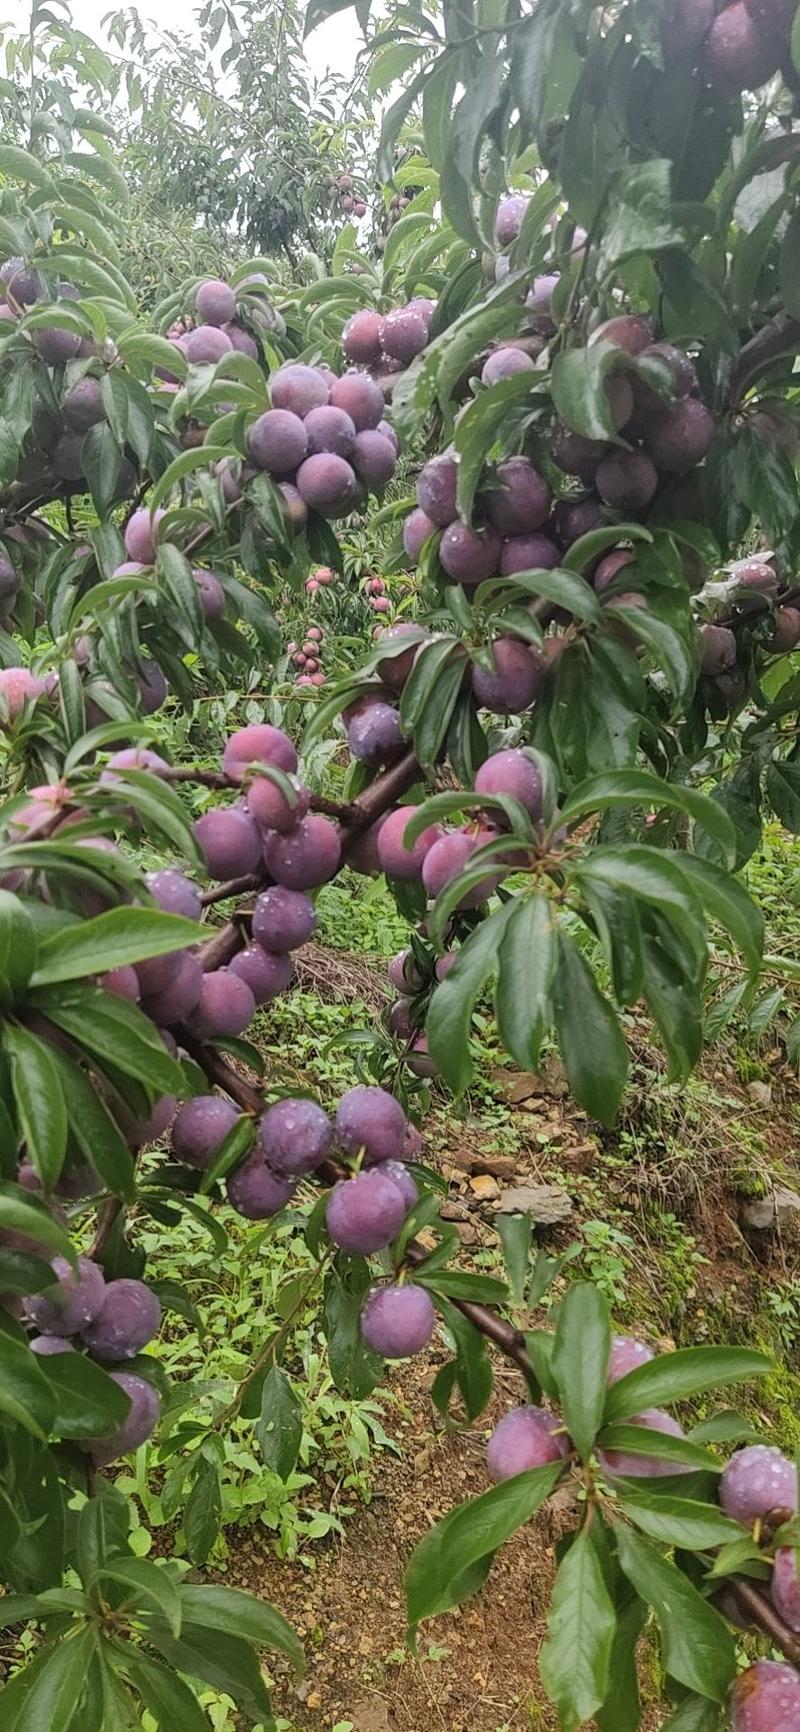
<point x="558" y="765"/>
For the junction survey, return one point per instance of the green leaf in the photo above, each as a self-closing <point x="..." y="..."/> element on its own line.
<point x="515" y="1233"/>
<point x="697" y="1646"/>
<point x="101" y="461"/>
<point x="112" y="940"/>
<point x="52" y="1701"/>
<point x="782" y="785"/>
<point x="694" y="1715"/>
<point x="150" y="1587"/>
<point x="578" y="381"/>
<point x="95" y="1131"/>
<point x="580" y="1363"/>
<point x="635" y="787"/>
<point x="230" y="1154"/>
<point x="166" y="1696"/>
<point x="354" y="1368"/>
<point x="201" y="1517"/>
<point x="591" y="1041"/>
<point x="655" y="877"/>
<point x="17" y="164"/>
<point x="39" y="1101"/>
<point x="588" y="548"/>
<point x="279" y="1429"/>
<point x="621" y="1710"/>
<point x="88" y="1401"/>
<point x="565" y="588"/>
<point x="645" y="1440"/>
<point x="18" y="943"/>
<point x="457" y="1284"/>
<point x="202" y="457"/>
<point x="526" y="962"/>
<point x="241" y="1614"/>
<point x="473" y="1366"/>
<point x="450" y="1014"/>
<point x="575" y="1659"/>
<point x="441" y="1571"/>
<point x="678" y="1521"/>
<point x="21" y="1213"/>
<point x="113" y="1030"/>
<point x="227" y="1664"/>
<point x="676" y="1376"/>
<point x="26" y="1395"/>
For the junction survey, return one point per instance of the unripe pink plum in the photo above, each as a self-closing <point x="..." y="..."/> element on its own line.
<point x="296" y="1137"/>
<point x="436" y="489"/>
<point x="310" y="855"/>
<point x="645" y="1466"/>
<point x="200" y="1129"/>
<point x="373" y="731"/>
<point x="128" y="1317"/>
<point x="449" y="857"/>
<point x="380" y="604"/>
<point x="178" y="996"/>
<point x="528" y="553"/>
<point x="527" y="1438"/>
<point x="514" y="773"/>
<point x="174" y="892"/>
<point x="371" y="1120"/>
<point x="133" y="758"/>
<point x="212" y="594"/>
<point x="81" y="1294"/>
<point x="257" y="1193"/>
<point x="395" y="859"/>
<point x="360" y="397"/>
<point x="740" y="55"/>
<point x="315" y="632"/>
<point x="83" y="405"/>
<point x="123" y="982"/>
<point x="521" y="501"/>
<point x="365" y="1213"/>
<point x="139" y="1423"/>
<point x="398" y="1320"/>
<point x="361" y="337"/>
<point x="283" y="919"/>
<point x="404" y="334"/>
<point x="576" y="454"/>
<point x="504" y="363"/>
<point x="206" y="345"/>
<point x="766" y="1698"/>
<point x="470" y="556"/>
<point x="681" y="436"/>
<point x="626" y="1355"/>
<point x="215" y="302"/>
<point x="277" y="441"/>
<point x="515" y="682"/>
<point x="785" y="1587"/>
<point x="266" y="973"/>
<point x="18" y="686"/>
<point x="509" y="217"/>
<point x="717" y="649"/>
<point x="269" y="805"/>
<point x="330" y="430"/>
<point x="632" y="332"/>
<point x="229" y="840"/>
<point x="260" y="743"/>
<point x="374" y="459"/>
<point x="327" y="484"/>
<point x="626" y="480"/>
<point x="756" y="1481"/>
<point x="140" y="535"/>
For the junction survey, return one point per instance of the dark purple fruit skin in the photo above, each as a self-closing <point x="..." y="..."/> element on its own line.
<point x="680" y="437"/>
<point x="509" y="217"/>
<point x="277" y="441"/>
<point x="360" y="397"/>
<point x="296" y="1137"/>
<point x="632" y="332"/>
<point x="283" y="919"/>
<point x="684" y="375"/>
<point x="404" y="334"/>
<point x="505" y="363"/>
<point x="369" y="1118"/>
<point x="398" y="1321"/>
<point x="739" y="55"/>
<point x="327" y="484"/>
<point x="395" y="859"/>
<point x="229" y="840"/>
<point x="626" y="480"/>
<point x="515" y="682"/>
<point x="766" y="1698"/>
<point x="417" y="529"/>
<point x="756" y="1481"/>
<point x="128" y="1318"/>
<point x="174" y="892"/>
<point x="786" y="635"/>
<point x="330" y="430"/>
<point x="511" y="772"/>
<point x="215" y="302"/>
<point x="175" y="1001"/>
<point x="717" y="649"/>
<point x="364" y="1214"/>
<point x="361" y="337"/>
<point x="785" y="1587"/>
<point x="226" y="1005"/>
<point x="575" y="454"/>
<point x="571" y="521"/>
<point x="200" y="1129"/>
<point x="373" y="731"/>
<point x="298" y="388"/>
<point x="138" y="1425"/>
<point x="374" y="458"/>
<point x="394" y="671"/>
<point x="436" y="490"/>
<point x="610" y="565"/>
<point x="470" y="556"/>
<point x="257" y="1193"/>
<point x="520" y="502"/>
<point x="528" y="553"/>
<point x="272" y="808"/>
<point x="266" y="973"/>
<point x="82" y="1294"/>
<point x="83" y="406"/>
<point x="524" y="1439"/>
<point x="310" y="855"/>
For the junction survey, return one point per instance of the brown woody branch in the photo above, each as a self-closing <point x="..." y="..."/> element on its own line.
<point x="779" y="338"/>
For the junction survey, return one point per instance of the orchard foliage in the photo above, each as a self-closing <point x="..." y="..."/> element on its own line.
<point x="574" y="331"/>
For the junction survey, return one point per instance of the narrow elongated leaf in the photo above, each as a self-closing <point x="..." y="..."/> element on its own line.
<point x="52" y="1702"/>
<point x="201" y="1516"/>
<point x="679" y="1521"/>
<point x="20" y="1213"/>
<point x="353" y="1367"/>
<point x="592" y="1044"/>
<point x="635" y="787"/>
<point x="696" y="1714"/>
<point x="449" y="1016"/>
<point x="227" y="1663"/>
<point x="241" y="1614"/>
<point x="202" y="457"/>
<point x="676" y="1376"/>
<point x="112" y="940"/>
<point x="113" y="1030"/>
<point x="697" y="1646"/>
<point x="580" y="1363"/>
<point x="26" y="1396"/>
<point x="526" y="961"/>
<point x="621" y="1710"/>
<point x="39" y="1101"/>
<point x="95" y="1131"/>
<point x="438" y="1576"/>
<point x="169" y="1700"/>
<point x="148" y="1584"/>
<point x="280" y="1427"/>
<point x="575" y="1660"/>
<point x="88" y="1403"/>
<point x="645" y="1440"/>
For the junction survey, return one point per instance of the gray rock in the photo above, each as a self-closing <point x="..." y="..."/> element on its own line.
<point x="546" y="1204"/>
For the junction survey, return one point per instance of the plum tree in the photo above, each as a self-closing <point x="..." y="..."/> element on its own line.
<point x="398" y="1321"/>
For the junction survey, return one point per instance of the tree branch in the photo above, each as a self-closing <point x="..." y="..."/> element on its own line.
<point x="780" y="337"/>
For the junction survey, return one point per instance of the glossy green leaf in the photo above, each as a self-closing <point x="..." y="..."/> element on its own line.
<point x="575" y="1659"/>
<point x="697" y="1646"/>
<point x="38" y="1099"/>
<point x="147" y="1584"/>
<point x="580" y="1363"/>
<point x="590" y="1038"/>
<point x="170" y="1701"/>
<point x="95" y="1131"/>
<point x="450" y="1012"/>
<point x="88" y="1403"/>
<point x="53" y="1699"/>
<point x="241" y="1614"/>
<point x="279" y="1429"/>
<point x="678" y="1521"/>
<point x="676" y="1376"/>
<point x="112" y="940"/>
<point x="201" y="1517"/>
<point x="526" y="962"/>
<point x="636" y="787"/>
<point x="227" y="1663"/>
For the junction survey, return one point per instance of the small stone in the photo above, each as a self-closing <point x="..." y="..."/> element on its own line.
<point x="760" y="1093"/>
<point x="500" y="1166"/>
<point x="546" y="1204"/>
<point x="484" y="1187"/>
<point x="467" y="1232"/>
